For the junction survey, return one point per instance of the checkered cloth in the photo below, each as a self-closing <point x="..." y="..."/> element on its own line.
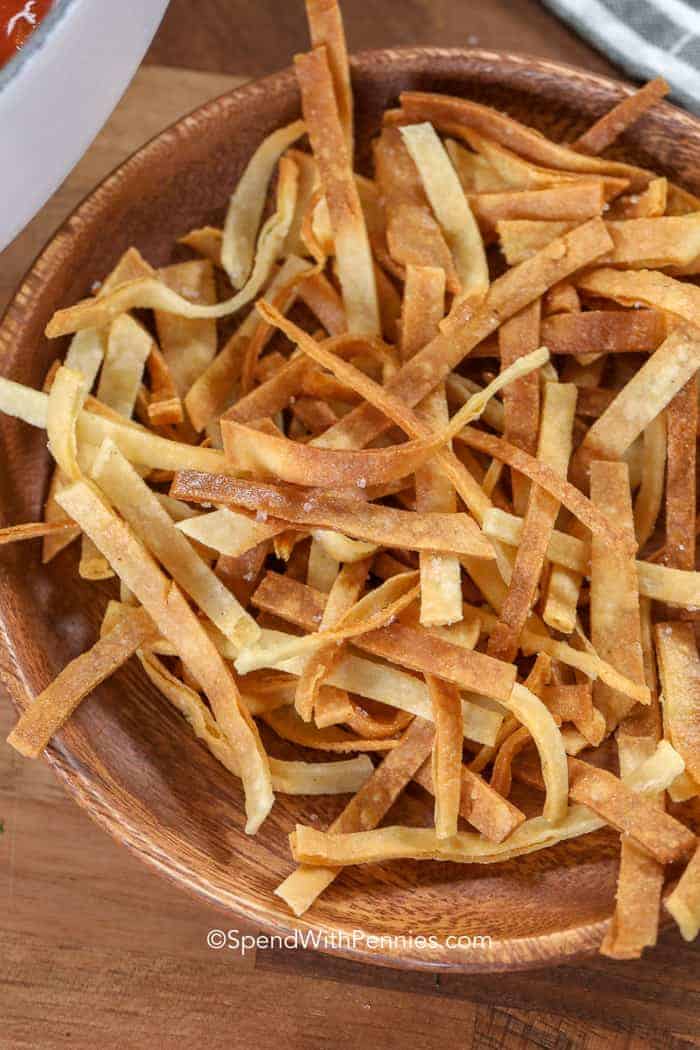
<point x="647" y="38"/>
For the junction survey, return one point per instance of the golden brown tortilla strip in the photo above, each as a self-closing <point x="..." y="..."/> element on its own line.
<point x="604" y="331"/>
<point x="36" y="530"/>
<point x="615" y="122"/>
<point x="570" y="202"/>
<point x="447" y="754"/>
<point x="188" y="346"/>
<point x="48" y="712"/>
<point x="491" y="814"/>
<point x="456" y="533"/>
<point x="574" y="703"/>
<point x="615" y="617"/>
<point x="684" y="902"/>
<point x="326" y="28"/>
<point x="330" y="148"/>
<point x="646" y="287"/>
<point x="681" y="455"/>
<point x="679" y="669"/>
<point x="521" y="399"/>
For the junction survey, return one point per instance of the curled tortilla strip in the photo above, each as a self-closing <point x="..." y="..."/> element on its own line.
<point x="537" y="719"/>
<point x="268" y="455"/>
<point x="646" y="394"/>
<point x="188" y="344"/>
<point x="177" y="622"/>
<point x="684" y="902"/>
<point x="446" y="764"/>
<point x="128" y="348"/>
<point x="311" y="846"/>
<point x="154" y="527"/>
<point x="289" y="778"/>
<point x="604" y="331"/>
<point x="35" y="530"/>
<point x="525" y="141"/>
<point x="289" y="726"/>
<point x="68" y="393"/>
<point x="616" y="631"/>
<point x="681" y="456"/>
<point x="554" y="450"/>
<point x="464" y="331"/>
<point x="150" y="293"/>
<point x="230" y="533"/>
<point x="248" y="200"/>
<point x="647" y="287"/>
<point x="612" y="124"/>
<point x="451" y="208"/>
<point x="679" y="669"/>
<point x="567" y="494"/>
<point x="330" y="149"/>
<point x="206" y="240"/>
<point x="364" y="811"/>
<point x="48" y="712"/>
<point x="365" y="521"/>
<point x="501" y="777"/>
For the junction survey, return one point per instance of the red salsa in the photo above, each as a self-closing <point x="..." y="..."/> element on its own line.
<point x="18" y="20"/>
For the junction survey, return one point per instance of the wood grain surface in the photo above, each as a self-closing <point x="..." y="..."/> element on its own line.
<point x="97" y="950"/>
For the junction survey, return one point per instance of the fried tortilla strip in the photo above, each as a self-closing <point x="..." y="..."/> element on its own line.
<point x="615" y="618"/>
<point x="268" y="455"/>
<point x="563" y="588"/>
<point x="682" y="424"/>
<point x="414" y="237"/>
<point x="188" y="345"/>
<point x="154" y="527"/>
<point x="647" y="393"/>
<point x="229" y="533"/>
<point x="68" y="393"/>
<point x="337" y="847"/>
<point x="501" y="778"/>
<point x="525" y="141"/>
<point x="326" y="29"/>
<point x="574" y="703"/>
<point x="672" y="240"/>
<point x="441" y="585"/>
<point x="674" y="586"/>
<point x="475" y="172"/>
<point x="570" y="202"/>
<point x="604" y="331"/>
<point x="464" y="331"/>
<point x="554" y="450"/>
<point x="178" y="624"/>
<point x="612" y="124"/>
<point x="364" y="811"/>
<point x="248" y="200"/>
<point x="128" y="347"/>
<point x="531" y="712"/>
<point x="567" y="494"/>
<point x="491" y="814"/>
<point x="289" y="726"/>
<point x="48" y="712"/>
<point x="453" y="533"/>
<point x="85" y="354"/>
<point x="452" y="210"/>
<point x="343" y="595"/>
<point x="519" y="238"/>
<point x="447" y="754"/>
<point x="679" y="668"/>
<point x="648" y="287"/>
<point x="164" y="404"/>
<point x="651" y="489"/>
<point x="330" y="148"/>
<point x="684" y="903"/>
<point x="521" y="399"/>
<point x="35" y="530"/>
<point x="647" y="205"/>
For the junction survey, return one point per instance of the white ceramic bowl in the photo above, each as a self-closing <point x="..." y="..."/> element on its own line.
<point x="58" y="92"/>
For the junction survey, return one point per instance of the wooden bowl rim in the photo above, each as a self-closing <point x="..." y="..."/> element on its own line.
<point x="504" y="954"/>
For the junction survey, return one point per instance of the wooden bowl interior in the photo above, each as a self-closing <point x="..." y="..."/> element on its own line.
<point x="126" y="755"/>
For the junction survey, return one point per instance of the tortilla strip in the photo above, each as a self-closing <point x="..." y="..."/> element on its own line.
<point x="646" y="394"/>
<point x="647" y="205"/>
<point x="491" y="814"/>
<point x="672" y="240"/>
<point x="164" y="405"/>
<point x="414" y="237"/>
<point x="574" y="703"/>
<point x="451" y="208"/>
<point x="679" y="668"/>
<point x="521" y="399"/>
<point x="475" y="172"/>
<point x="267" y="455"/>
<point x="48" y="712"/>
<point x="317" y="292"/>
<point x="178" y="624"/>
<point x="85" y="354"/>
<point x="188" y="345"/>
<point x="525" y="141"/>
<point x="229" y="533"/>
<point x="681" y="453"/>
<point x="37" y="529"/>
<point x="612" y="124"/>
<point x="519" y="238"/>
<point x="248" y="200"/>
<point x="684" y="903"/>
<point x="554" y="450"/>
<point x="68" y="393"/>
<point x="463" y="331"/>
<point x="501" y="777"/>
<point x="289" y="726"/>
<point x="649" y="287"/>
<point x="364" y="811"/>
<point x="453" y="533"/>
<point x="604" y="331"/>
<point x="650" y="494"/>
<point x="330" y="148"/>
<point x="326" y="28"/>
<point x="446" y="765"/>
<point x="615" y="617"/>
<point x="570" y="202"/>
<point x="567" y="494"/>
<point x="154" y="527"/>
<point x="128" y="347"/>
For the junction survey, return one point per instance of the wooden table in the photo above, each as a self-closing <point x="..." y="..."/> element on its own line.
<point x="97" y="951"/>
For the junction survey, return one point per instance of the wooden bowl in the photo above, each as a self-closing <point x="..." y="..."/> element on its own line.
<point x="126" y="756"/>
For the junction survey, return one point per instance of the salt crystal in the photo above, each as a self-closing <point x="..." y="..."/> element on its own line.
<point x="362" y="483"/>
<point x="261" y="515"/>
